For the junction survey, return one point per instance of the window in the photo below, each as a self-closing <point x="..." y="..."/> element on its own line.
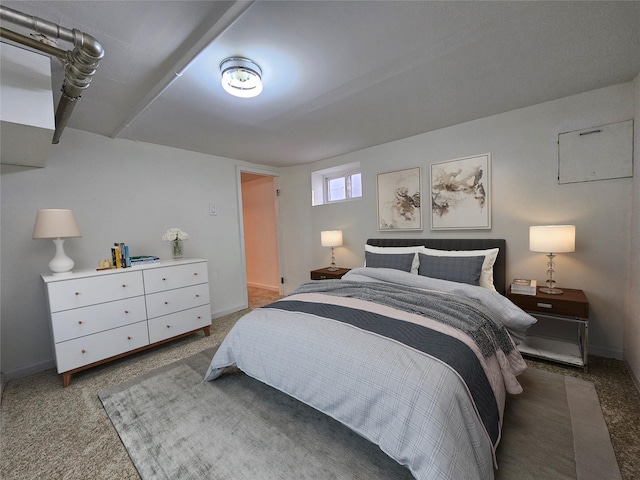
<point x="336" y="184"/>
<point x="343" y="187"/>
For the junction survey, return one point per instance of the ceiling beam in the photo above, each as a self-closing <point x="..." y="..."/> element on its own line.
<point x="232" y="15"/>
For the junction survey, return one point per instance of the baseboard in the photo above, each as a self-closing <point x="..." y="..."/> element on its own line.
<point x="605" y="352"/>
<point x="27" y="371"/>
<point x="1" y="384"/>
<point x="634" y="377"/>
<point x="271" y="288"/>
<point x="222" y="313"/>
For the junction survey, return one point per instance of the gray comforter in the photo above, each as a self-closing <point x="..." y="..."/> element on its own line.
<point x="419" y="388"/>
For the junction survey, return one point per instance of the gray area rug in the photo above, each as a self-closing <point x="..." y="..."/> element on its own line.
<point x="175" y="426"/>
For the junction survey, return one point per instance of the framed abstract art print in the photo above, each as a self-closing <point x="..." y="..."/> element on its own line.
<point x="399" y="196"/>
<point x="461" y="193"/>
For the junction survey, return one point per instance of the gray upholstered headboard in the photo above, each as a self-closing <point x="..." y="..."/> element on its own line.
<point x="499" y="268"/>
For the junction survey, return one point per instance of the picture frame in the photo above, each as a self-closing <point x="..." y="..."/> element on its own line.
<point x="399" y="200"/>
<point x="460" y="192"/>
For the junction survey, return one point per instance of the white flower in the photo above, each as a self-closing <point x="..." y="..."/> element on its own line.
<point x="175" y="234"/>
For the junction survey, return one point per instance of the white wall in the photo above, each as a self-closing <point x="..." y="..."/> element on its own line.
<point x="120" y="191"/>
<point x="132" y="192"/>
<point x="632" y="323"/>
<point x="523" y="145"/>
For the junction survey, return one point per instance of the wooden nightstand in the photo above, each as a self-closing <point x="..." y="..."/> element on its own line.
<point x="571" y="306"/>
<point x="325" y="273"/>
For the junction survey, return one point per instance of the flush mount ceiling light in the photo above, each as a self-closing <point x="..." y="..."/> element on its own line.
<point x="241" y="77"/>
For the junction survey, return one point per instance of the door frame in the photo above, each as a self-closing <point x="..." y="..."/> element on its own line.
<point x="240" y="169"/>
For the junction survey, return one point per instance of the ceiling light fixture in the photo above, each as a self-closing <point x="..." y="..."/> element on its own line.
<point x="241" y="77"/>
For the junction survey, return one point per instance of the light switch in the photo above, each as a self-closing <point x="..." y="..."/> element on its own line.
<point x="213" y="210"/>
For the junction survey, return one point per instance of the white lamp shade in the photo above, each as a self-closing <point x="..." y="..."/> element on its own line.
<point x="331" y="238"/>
<point x="552" y="238"/>
<point x="55" y="223"/>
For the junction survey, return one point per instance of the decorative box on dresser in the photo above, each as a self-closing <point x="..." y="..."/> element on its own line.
<point x="98" y="316"/>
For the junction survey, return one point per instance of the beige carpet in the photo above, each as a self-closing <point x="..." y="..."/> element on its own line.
<point x="47" y="432"/>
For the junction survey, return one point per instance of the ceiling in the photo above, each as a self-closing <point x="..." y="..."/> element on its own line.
<point x="338" y="76"/>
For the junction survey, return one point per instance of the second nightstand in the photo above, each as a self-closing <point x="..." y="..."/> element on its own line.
<point x="571" y="306"/>
<point x="325" y="273"/>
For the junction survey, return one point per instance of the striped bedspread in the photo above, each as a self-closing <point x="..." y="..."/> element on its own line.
<point x="418" y="387"/>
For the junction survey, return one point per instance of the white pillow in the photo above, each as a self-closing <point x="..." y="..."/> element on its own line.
<point x="394" y="250"/>
<point x="490" y="255"/>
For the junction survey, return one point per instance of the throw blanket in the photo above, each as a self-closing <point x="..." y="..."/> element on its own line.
<point x="465" y="314"/>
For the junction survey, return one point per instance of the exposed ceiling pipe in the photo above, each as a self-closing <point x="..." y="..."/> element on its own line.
<point x="80" y="64"/>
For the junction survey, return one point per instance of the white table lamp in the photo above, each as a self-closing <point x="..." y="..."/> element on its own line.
<point x="552" y="239"/>
<point x="331" y="238"/>
<point x="57" y="224"/>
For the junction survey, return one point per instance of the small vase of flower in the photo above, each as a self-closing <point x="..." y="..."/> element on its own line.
<point x="176" y="237"/>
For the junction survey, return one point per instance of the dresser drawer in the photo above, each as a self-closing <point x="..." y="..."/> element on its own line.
<point x="82" y="292"/>
<point x="172" y="325"/>
<point x="93" y="348"/>
<point x="171" y="301"/>
<point x="69" y="324"/>
<point x="167" y="278"/>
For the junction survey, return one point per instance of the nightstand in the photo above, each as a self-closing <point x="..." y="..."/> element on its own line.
<point x="325" y="273"/>
<point x="570" y="307"/>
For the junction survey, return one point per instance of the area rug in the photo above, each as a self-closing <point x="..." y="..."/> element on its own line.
<point x="175" y="426"/>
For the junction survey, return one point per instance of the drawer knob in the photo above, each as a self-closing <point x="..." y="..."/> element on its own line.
<point x="79" y="322"/>
<point x="128" y="338"/>
<point x="197" y="296"/>
<point x="164" y="279"/>
<point x="199" y="317"/>
<point x="126" y="311"/>
<point x="124" y="286"/>
<point x="196" y="274"/>
<point x="84" y="351"/>
<point x="166" y="303"/>
<point x="77" y="293"/>
<point x="168" y="326"/>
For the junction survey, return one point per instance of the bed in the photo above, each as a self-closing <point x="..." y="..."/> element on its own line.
<point x="415" y="351"/>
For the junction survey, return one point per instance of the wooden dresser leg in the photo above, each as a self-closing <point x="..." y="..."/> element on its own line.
<point x="207" y="331"/>
<point x="66" y="380"/>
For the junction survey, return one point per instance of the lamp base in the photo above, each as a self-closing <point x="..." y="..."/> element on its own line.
<point x="60" y="264"/>
<point x="551" y="291"/>
<point x="332" y="269"/>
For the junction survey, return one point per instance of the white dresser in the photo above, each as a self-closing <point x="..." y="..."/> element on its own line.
<point x="98" y="316"/>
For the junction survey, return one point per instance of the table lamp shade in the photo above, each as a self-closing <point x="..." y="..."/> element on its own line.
<point x="552" y="238"/>
<point x="331" y="238"/>
<point x="55" y="223"/>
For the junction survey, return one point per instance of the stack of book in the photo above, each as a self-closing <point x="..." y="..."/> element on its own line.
<point x="143" y="259"/>
<point x="120" y="255"/>
<point x="522" y="286"/>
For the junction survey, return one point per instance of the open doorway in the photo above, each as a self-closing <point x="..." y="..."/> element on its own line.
<point x="261" y="245"/>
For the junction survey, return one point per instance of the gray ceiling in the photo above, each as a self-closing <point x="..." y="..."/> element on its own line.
<point x="338" y="76"/>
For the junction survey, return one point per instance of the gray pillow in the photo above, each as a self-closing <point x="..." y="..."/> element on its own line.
<point x="454" y="269"/>
<point x="397" y="261"/>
